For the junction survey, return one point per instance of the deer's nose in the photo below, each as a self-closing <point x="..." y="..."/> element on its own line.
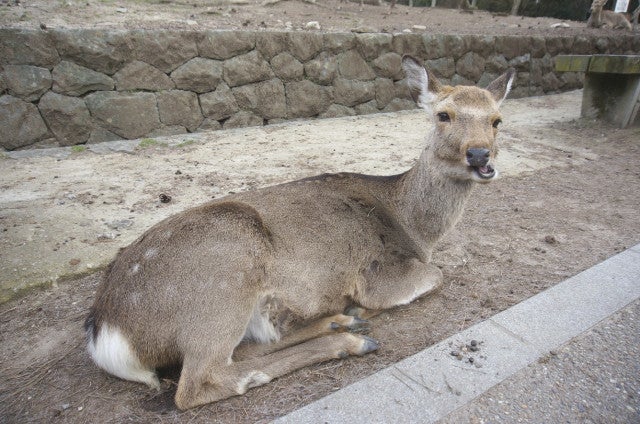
<point x="478" y="157"/>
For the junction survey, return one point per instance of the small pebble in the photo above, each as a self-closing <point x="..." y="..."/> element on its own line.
<point x="165" y="198"/>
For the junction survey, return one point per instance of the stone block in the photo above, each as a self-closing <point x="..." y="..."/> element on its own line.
<point x="521" y="63"/>
<point x="400" y="104"/>
<point x="366" y="108"/>
<point x="411" y="44"/>
<point x="199" y="75"/>
<point x="177" y="107"/>
<point x="434" y="46"/>
<point x="538" y="46"/>
<point x="167" y="131"/>
<point x="305" y="45"/>
<point x="210" y="125"/>
<point x="339" y="42"/>
<point x="226" y="44"/>
<point x="550" y="82"/>
<point x="101" y="135"/>
<point x="67" y="117"/>
<point x="26" y="81"/>
<point x="385" y="92"/>
<point x="266" y="99"/>
<point x="27" y="47"/>
<point x="460" y="80"/>
<point x="246" y="69"/>
<point x="470" y="66"/>
<point x="482" y="45"/>
<point x="270" y="43"/>
<point x="388" y="65"/>
<point x="335" y="111"/>
<point x="445" y="67"/>
<point x="496" y="64"/>
<point x="352" y="92"/>
<point x="554" y="45"/>
<point x="243" y="119"/>
<point x="323" y="69"/>
<point x="75" y="80"/>
<point x="486" y="79"/>
<point x="306" y="99"/>
<point x="511" y="46"/>
<point x="219" y="104"/>
<point x="454" y="46"/>
<point x="352" y="66"/>
<point x="371" y="46"/>
<point x="101" y="50"/>
<point x="286" y="67"/>
<point x="165" y="50"/>
<point x="402" y="89"/>
<point x="138" y="75"/>
<point x="21" y="123"/>
<point x="129" y="115"/>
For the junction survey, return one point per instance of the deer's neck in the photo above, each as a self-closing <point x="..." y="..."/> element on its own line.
<point x="429" y="203"/>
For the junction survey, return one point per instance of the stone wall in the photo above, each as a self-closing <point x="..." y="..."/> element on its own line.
<point x="68" y="87"/>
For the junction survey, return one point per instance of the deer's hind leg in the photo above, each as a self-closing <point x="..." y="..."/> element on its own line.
<point x="322" y="327"/>
<point x="209" y="379"/>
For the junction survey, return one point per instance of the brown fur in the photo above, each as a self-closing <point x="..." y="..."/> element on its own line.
<point x="200" y="287"/>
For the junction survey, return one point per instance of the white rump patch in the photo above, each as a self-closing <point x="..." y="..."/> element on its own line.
<point x="112" y="352"/>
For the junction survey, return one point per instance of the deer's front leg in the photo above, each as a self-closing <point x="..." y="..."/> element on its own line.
<point x="384" y="286"/>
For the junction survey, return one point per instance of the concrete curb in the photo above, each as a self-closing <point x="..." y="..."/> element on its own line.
<point x="431" y="384"/>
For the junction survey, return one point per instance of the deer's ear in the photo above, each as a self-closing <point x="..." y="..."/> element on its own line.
<point x="501" y="86"/>
<point x="422" y="85"/>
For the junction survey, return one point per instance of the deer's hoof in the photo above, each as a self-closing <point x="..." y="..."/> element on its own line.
<point x="369" y="345"/>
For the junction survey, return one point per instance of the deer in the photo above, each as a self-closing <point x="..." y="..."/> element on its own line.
<point x="607" y="18"/>
<point x="252" y="286"/>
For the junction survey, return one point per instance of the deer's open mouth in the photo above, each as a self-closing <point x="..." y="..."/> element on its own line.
<point x="485" y="172"/>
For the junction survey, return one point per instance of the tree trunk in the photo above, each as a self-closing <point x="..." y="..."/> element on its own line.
<point x="433" y="3"/>
<point x="516" y="6"/>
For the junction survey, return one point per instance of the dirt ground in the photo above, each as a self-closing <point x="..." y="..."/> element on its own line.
<point x="518" y="236"/>
<point x="331" y="15"/>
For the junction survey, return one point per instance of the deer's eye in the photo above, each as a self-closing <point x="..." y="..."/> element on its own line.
<point x="444" y="117"/>
<point x="496" y="123"/>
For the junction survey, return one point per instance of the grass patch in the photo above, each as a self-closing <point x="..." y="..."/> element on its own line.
<point x="146" y="143"/>
<point x="185" y="143"/>
<point x="78" y="148"/>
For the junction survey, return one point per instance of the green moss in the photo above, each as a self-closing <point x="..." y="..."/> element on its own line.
<point x="78" y="148"/>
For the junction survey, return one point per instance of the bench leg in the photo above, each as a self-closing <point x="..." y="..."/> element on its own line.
<point x="614" y="97"/>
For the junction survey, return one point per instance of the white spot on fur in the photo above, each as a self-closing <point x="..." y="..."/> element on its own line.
<point x="135" y="268"/>
<point x="254" y="379"/>
<point x="260" y="328"/>
<point x="112" y="352"/>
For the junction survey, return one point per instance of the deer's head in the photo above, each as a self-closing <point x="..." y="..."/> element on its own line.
<point x="466" y="121"/>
